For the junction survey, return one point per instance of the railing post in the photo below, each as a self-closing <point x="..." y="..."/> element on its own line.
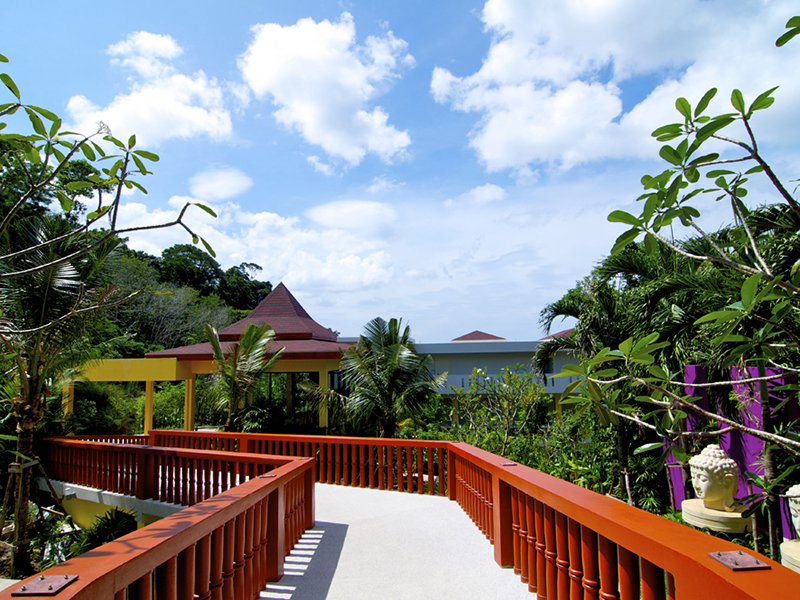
<point x="502" y="524"/>
<point x="186" y="573"/>
<point x="309" y="506"/>
<point x="591" y="572"/>
<point x="167" y="580"/>
<point x="451" y="474"/>
<point x="276" y="534"/>
<point x="575" y="561"/>
<point x="652" y="581"/>
<point x="609" y="568"/>
<point x="562" y="556"/>
<point x="628" y="574"/>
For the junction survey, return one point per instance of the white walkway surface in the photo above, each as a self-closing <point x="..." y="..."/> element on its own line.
<point x="372" y="544"/>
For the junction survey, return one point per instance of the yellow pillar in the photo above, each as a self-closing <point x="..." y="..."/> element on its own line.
<point x="323" y="409"/>
<point x="188" y="404"/>
<point x="68" y="397"/>
<point x="149" y="388"/>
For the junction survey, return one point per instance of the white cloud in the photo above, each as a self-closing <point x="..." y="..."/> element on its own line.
<point x="383" y="184"/>
<point x="323" y="83"/>
<point x="352" y="214"/>
<point x="550" y="90"/>
<point x="483" y="194"/>
<point x="219" y="183"/>
<point x="321" y="167"/>
<point x="161" y="103"/>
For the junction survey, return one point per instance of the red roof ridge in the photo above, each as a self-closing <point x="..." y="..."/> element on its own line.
<point x="285" y="315"/>
<point x="561" y="334"/>
<point x="479" y="336"/>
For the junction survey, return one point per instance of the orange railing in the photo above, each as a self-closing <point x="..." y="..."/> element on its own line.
<point x="564" y="541"/>
<point x="136" y="440"/>
<point x="416" y="466"/>
<point x="247" y="513"/>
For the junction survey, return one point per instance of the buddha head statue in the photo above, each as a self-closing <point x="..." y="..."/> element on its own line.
<point x="715" y="478"/>
<point x="793" y="494"/>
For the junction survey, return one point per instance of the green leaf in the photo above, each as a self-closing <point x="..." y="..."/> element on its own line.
<point x="3" y="58"/>
<point x="683" y="106"/>
<point x="74" y="186"/>
<point x="719" y="172"/>
<point x="36" y="122"/>
<point x="620" y="216"/>
<point x="703" y="104"/>
<point x="657" y="371"/>
<point x="54" y="128"/>
<point x="45" y="113"/>
<point x="87" y="151"/>
<point x="749" y="288"/>
<point x="10" y="84"/>
<point x="765" y="100"/>
<point x="623" y="240"/>
<point x="96" y="214"/>
<point x="137" y="185"/>
<point x="679" y="454"/>
<point x="139" y="164"/>
<point x="737" y="100"/>
<point x="208" y="248"/>
<point x="706" y="131"/>
<point x="669" y="154"/>
<point x="720" y="316"/>
<point x="131" y="141"/>
<point x="675" y="129"/>
<point x="148" y="155"/>
<point x="205" y="208"/>
<point x="788" y="35"/>
<point x="648" y="447"/>
<point x="65" y="201"/>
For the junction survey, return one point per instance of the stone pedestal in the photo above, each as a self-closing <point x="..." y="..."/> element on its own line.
<point x="698" y="515"/>
<point x="790" y="555"/>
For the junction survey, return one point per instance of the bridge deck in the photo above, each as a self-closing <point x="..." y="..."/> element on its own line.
<point x="371" y="544"/>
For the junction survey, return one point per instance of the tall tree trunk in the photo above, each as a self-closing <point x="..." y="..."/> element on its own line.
<point x="28" y="416"/>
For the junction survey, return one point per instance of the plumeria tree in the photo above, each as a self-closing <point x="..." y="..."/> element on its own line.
<point x="759" y="328"/>
<point x="53" y="260"/>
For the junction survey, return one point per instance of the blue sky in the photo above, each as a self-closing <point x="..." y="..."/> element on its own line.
<point x="451" y="163"/>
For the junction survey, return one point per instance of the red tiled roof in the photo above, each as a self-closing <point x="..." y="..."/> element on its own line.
<point x="295" y="330"/>
<point x="478" y="336"/>
<point x="561" y="334"/>
<point x="294" y="350"/>
<point x="285" y="316"/>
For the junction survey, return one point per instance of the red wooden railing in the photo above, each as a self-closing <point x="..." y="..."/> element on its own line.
<point x="136" y="440"/>
<point x="564" y="541"/>
<point x="248" y="512"/>
<point x="416" y="466"/>
<point x="176" y="476"/>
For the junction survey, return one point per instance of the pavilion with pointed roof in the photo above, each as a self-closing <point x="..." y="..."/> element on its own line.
<point x="308" y="348"/>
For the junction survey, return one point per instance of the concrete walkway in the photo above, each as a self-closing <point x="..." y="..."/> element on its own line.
<point x="372" y="544"/>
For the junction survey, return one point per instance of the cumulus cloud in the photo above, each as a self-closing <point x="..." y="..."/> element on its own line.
<point x="323" y="84"/>
<point x="352" y="214"/>
<point x="483" y="194"/>
<point x="219" y="183"/>
<point x="161" y="103"/>
<point x="552" y="85"/>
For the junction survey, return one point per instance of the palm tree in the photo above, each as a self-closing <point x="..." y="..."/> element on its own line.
<point x="385" y="377"/>
<point x="42" y="328"/>
<point x="239" y="368"/>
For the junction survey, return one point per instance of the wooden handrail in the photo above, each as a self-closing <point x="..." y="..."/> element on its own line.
<point x="203" y="550"/>
<point x="573" y="542"/>
<point x="564" y="541"/>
